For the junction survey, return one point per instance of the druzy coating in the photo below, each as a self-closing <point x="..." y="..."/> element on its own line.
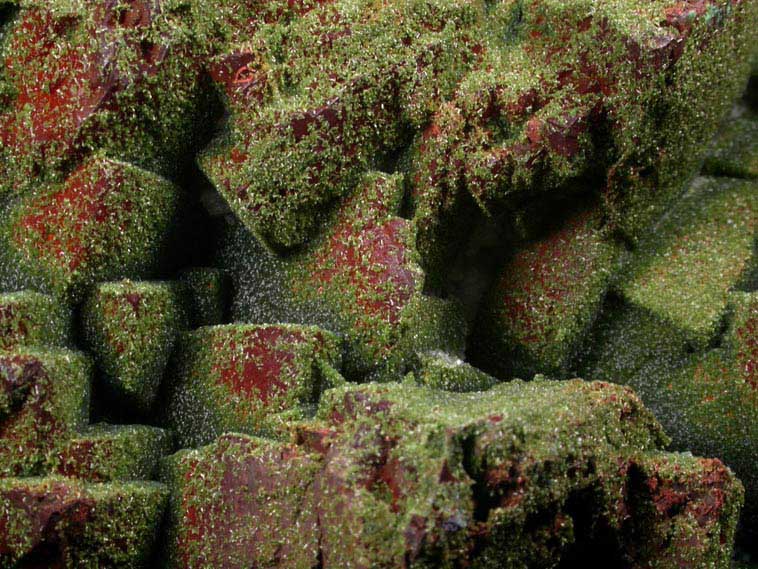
<point x="270" y="270"/>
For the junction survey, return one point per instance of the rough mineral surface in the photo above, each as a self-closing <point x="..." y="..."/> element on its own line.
<point x="530" y="471"/>
<point x="107" y="220"/>
<point x="29" y="318"/>
<point x="246" y="378"/>
<point x="322" y="238"/>
<point x="131" y="328"/>
<point x="45" y="397"/>
<point x="58" y="522"/>
<point x="104" y="453"/>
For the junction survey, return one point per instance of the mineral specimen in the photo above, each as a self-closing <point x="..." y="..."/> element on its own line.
<point x="322" y="238"/>
<point x="58" y="522"/>
<point x="246" y="378"/>
<point x="108" y="220"/>
<point x="28" y="318"/>
<point x="44" y="400"/>
<point x="530" y="472"/>
<point x="131" y="328"/>
<point x="105" y="453"/>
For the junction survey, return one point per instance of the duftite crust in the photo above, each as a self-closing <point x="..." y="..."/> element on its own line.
<point x="269" y="272"/>
<point x="545" y="298"/>
<point x="29" y="318"/>
<point x="82" y="77"/>
<point x="105" y="453"/>
<point x="107" y="220"/>
<point x="131" y="328"/>
<point x="360" y="279"/>
<point x="529" y="472"/>
<point x="45" y="397"/>
<point x="60" y="522"/>
<point x="248" y="378"/>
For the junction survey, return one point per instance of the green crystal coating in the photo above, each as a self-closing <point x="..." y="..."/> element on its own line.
<point x="44" y="400"/>
<point x="131" y="329"/>
<point x="700" y="251"/>
<point x="105" y="453"/>
<point x="247" y="378"/>
<point x="108" y="220"/>
<point x="392" y="474"/>
<point x="28" y="318"/>
<point x="81" y="525"/>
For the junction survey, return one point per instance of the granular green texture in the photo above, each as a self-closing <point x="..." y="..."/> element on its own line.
<point x="504" y="99"/>
<point x="395" y="475"/>
<point x="44" y="399"/>
<point x="449" y="373"/>
<point x="83" y="77"/>
<point x="104" y="453"/>
<point x="74" y="525"/>
<point x="29" y="318"/>
<point x="707" y="400"/>
<point x="545" y="299"/>
<point x="131" y="328"/>
<point x="248" y="378"/>
<point x="323" y="238"/>
<point x="107" y="220"/>
<point x="206" y="291"/>
<point x="734" y="152"/>
<point x="701" y="250"/>
<point x="360" y="279"/>
<point x="716" y="394"/>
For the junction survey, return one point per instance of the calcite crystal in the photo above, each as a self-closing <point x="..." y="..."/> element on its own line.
<point x="105" y="453"/>
<point x="290" y="256"/>
<point x="683" y="297"/>
<point x="107" y="220"/>
<point x="530" y="472"/>
<point x="246" y="378"/>
<point x="45" y="398"/>
<point x="702" y="250"/>
<point x="360" y="279"/>
<point x="58" y="522"/>
<point x="131" y="328"/>
<point x="105" y="76"/>
<point x="545" y="299"/>
<point x="29" y="318"/>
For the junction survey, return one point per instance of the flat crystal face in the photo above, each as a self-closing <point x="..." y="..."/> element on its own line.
<point x="310" y="283"/>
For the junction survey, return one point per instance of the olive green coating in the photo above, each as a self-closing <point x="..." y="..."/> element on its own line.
<point x="734" y="151"/>
<point x="29" y="318"/>
<point x="544" y="300"/>
<point x="676" y="496"/>
<point x="247" y="378"/>
<point x="716" y="394"/>
<point x="704" y="248"/>
<point x="76" y="525"/>
<point x="500" y="99"/>
<point x="264" y="513"/>
<point x="119" y="78"/>
<point x="102" y="452"/>
<point x="397" y="475"/>
<point x="44" y="400"/>
<point x="706" y="401"/>
<point x="360" y="159"/>
<point x="448" y="373"/>
<point x="108" y="220"/>
<point x="360" y="279"/>
<point x="131" y="329"/>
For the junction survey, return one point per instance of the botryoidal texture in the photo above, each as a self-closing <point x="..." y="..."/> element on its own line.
<point x="270" y="272"/>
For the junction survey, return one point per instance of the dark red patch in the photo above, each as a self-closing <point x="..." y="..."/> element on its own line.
<point x="65" y="228"/>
